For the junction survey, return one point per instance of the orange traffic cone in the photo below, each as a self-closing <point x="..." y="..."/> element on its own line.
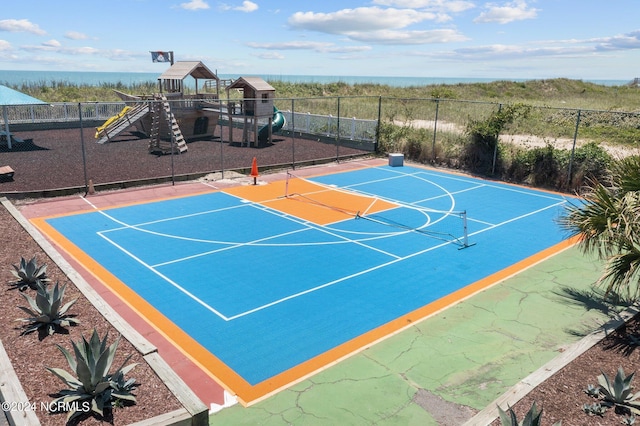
<point x="254" y="170"/>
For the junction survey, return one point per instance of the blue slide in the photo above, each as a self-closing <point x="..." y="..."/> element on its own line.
<point x="277" y="123"/>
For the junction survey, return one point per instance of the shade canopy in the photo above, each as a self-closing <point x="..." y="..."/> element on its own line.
<point x="8" y="96"/>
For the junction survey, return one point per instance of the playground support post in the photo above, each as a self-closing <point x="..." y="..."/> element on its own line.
<point x="173" y="148"/>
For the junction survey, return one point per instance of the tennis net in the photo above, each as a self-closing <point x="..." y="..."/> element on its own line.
<point x="445" y="225"/>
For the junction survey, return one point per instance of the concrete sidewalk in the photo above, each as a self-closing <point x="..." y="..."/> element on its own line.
<point x="446" y="368"/>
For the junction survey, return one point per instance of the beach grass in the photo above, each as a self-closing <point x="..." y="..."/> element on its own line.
<point x="556" y="93"/>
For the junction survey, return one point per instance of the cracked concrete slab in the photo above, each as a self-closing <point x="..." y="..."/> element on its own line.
<point x="451" y="364"/>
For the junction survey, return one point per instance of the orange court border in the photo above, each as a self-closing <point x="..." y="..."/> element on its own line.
<point x="272" y="195"/>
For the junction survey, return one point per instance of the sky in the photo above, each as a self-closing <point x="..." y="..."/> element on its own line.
<point x="520" y="39"/>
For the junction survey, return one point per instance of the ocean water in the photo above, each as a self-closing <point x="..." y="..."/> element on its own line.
<point x="18" y="78"/>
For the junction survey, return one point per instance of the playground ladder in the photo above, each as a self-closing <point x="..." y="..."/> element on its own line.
<point x="123" y="123"/>
<point x="156" y="144"/>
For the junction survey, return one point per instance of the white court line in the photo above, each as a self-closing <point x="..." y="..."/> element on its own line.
<point x="311" y="290"/>
<point x="170" y="219"/>
<point x="466" y="180"/>
<point x="229" y="247"/>
<point x="399" y="259"/>
<point x="173" y="283"/>
<point x="332" y="283"/>
<point x="167" y="279"/>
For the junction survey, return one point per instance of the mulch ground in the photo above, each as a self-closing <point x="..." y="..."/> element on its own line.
<point x="69" y="158"/>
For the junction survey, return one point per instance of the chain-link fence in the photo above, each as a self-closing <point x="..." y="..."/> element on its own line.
<point x="64" y="146"/>
<point x="555" y="148"/>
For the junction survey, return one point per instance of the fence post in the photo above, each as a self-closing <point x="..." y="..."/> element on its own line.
<point x="293" y="134"/>
<point x="375" y="144"/>
<point x="84" y="155"/>
<point x="573" y="150"/>
<point x="495" y="148"/>
<point x="353" y="128"/>
<point x="435" y="130"/>
<point x="338" y="132"/>
<point x="222" y="148"/>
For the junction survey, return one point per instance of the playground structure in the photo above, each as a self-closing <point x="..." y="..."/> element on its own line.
<point x="255" y="106"/>
<point x="171" y="117"/>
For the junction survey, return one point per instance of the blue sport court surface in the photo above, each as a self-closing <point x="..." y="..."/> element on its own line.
<point x="262" y="285"/>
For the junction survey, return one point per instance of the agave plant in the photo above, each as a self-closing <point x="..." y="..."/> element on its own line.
<point x="93" y="382"/>
<point x="46" y="309"/>
<point x="532" y="418"/>
<point x="593" y="391"/>
<point x="29" y="273"/>
<point x="595" y="409"/>
<point x="122" y="388"/>
<point x="619" y="391"/>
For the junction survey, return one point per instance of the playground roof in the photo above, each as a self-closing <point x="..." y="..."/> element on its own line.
<point x="182" y="69"/>
<point x="9" y="96"/>
<point x="255" y="83"/>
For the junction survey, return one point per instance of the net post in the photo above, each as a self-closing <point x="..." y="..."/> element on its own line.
<point x="286" y="186"/>
<point x="465" y="239"/>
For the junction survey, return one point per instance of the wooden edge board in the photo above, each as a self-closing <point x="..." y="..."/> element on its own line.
<point x="11" y="392"/>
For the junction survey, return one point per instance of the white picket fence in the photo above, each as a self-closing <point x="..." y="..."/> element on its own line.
<point x="307" y="123"/>
<point x="354" y="129"/>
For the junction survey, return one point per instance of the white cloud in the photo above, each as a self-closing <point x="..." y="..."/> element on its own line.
<point x="620" y="42"/>
<point x="74" y="35"/>
<point x="512" y="11"/>
<point x="20" y="25"/>
<point x="291" y="45"/>
<point x="54" y="46"/>
<point x="4" y="46"/>
<point x="309" y="45"/>
<point x="247" y="6"/>
<point x="409" y="37"/>
<point x="52" y="43"/>
<point x="378" y="25"/>
<point x="360" y="19"/>
<point x="348" y="49"/>
<point x="519" y="52"/>
<point x="440" y="5"/>
<point x="195" y="5"/>
<point x="270" y="56"/>
<point x="543" y="49"/>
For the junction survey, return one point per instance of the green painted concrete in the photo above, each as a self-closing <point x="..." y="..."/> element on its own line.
<point x="469" y="354"/>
